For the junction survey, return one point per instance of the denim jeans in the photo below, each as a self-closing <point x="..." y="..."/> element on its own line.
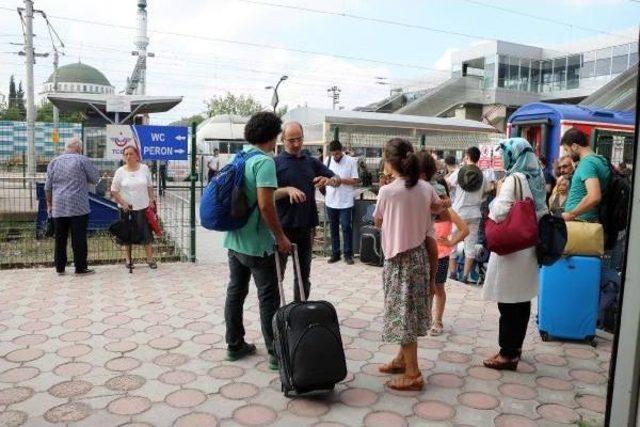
<point x="78" y="227"/>
<point x="302" y="237"/>
<point x="263" y="270"/>
<point x="341" y="218"/>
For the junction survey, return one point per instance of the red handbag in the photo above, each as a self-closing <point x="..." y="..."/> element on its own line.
<point x="518" y="231"/>
<point x="152" y="219"/>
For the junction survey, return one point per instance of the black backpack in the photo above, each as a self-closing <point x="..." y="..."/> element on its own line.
<point x="552" y="238"/>
<point x="614" y="207"/>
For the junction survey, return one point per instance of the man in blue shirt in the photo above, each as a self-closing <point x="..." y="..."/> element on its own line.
<point x="298" y="176"/>
<point x="67" y="193"/>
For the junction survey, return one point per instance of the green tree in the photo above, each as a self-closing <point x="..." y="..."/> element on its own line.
<point x="12" y="93"/>
<point x="186" y="121"/>
<point x="44" y="113"/>
<point x="13" y="111"/>
<point x="231" y="104"/>
<point x="282" y="111"/>
<point x="20" y="104"/>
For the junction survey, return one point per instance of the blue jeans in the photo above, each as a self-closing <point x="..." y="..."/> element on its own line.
<point x="263" y="270"/>
<point x="341" y="218"/>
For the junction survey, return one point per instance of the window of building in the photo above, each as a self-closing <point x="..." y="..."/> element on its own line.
<point x="535" y="76"/>
<point x="514" y="73"/>
<point x="603" y="62"/>
<point x="525" y="70"/>
<point x="503" y="70"/>
<point x="587" y="70"/>
<point x="620" y="59"/>
<point x="559" y="73"/>
<point x="84" y="88"/>
<point x="489" y="71"/>
<point x="546" y="76"/>
<point x="573" y="71"/>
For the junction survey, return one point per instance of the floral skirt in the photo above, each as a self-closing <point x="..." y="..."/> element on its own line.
<point x="407" y="313"/>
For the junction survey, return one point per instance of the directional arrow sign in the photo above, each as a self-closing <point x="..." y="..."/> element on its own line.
<point x="163" y="142"/>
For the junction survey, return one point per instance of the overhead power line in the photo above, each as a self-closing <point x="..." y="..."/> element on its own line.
<point x="243" y="43"/>
<point x="365" y="18"/>
<point x="546" y="19"/>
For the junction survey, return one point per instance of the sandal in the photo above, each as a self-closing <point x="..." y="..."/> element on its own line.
<point x="392" y="367"/>
<point x="129" y="265"/>
<point x="153" y="265"/>
<point x="406" y="383"/>
<point x="436" y="329"/>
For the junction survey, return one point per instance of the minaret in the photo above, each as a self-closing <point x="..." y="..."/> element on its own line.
<point x="141" y="43"/>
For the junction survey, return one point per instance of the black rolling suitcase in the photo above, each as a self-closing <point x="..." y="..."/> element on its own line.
<point x="307" y="341"/>
<point x="371" y="246"/>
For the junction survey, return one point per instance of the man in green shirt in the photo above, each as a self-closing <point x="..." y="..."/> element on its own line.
<point x="589" y="181"/>
<point x="251" y="247"/>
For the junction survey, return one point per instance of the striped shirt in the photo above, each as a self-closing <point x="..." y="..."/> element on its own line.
<point x="68" y="179"/>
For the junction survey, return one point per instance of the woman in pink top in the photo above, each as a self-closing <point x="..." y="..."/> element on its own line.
<point x="446" y="246"/>
<point x="403" y="212"/>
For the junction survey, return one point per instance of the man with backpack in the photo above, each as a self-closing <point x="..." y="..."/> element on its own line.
<point x="251" y="247"/>
<point x="589" y="181"/>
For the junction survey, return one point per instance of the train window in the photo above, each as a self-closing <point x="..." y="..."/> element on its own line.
<point x="373" y="152"/>
<point x="235" y="147"/>
<point x="224" y="147"/>
<point x="359" y="151"/>
<point x="615" y="146"/>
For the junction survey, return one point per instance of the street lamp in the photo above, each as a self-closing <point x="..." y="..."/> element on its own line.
<point x="274" y="98"/>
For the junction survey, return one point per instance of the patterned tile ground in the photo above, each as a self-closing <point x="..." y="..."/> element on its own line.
<point x="148" y="349"/>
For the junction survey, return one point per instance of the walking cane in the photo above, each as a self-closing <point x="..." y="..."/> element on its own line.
<point x="129" y="246"/>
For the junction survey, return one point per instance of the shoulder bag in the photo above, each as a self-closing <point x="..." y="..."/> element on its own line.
<point x="518" y="231"/>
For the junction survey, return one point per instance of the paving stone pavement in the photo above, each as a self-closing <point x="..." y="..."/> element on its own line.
<point x="147" y="349"/>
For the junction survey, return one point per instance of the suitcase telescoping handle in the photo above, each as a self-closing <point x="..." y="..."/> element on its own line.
<point x="296" y="270"/>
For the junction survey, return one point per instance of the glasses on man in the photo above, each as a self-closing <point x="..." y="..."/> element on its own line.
<point x="292" y="140"/>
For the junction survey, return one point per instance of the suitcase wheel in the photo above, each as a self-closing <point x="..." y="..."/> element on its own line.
<point x="592" y="341"/>
<point x="544" y="336"/>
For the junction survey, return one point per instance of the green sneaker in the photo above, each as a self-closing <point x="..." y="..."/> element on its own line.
<point x="273" y="362"/>
<point x="244" y="351"/>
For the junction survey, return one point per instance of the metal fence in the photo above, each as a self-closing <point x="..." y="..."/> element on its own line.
<point x="23" y="218"/>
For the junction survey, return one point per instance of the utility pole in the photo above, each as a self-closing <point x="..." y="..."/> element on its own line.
<point x="334" y="94"/>
<point x="56" y="112"/>
<point x="141" y="43"/>
<point x="56" y="55"/>
<point x="31" y="109"/>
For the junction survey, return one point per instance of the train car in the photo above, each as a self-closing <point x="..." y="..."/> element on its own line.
<point x="543" y="124"/>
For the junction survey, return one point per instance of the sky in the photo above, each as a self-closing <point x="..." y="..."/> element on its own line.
<point x="207" y="48"/>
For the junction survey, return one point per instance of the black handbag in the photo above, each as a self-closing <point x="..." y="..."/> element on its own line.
<point x="49" y="228"/>
<point x="125" y="230"/>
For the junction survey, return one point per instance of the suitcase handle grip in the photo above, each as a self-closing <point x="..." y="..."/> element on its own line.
<point x="296" y="270"/>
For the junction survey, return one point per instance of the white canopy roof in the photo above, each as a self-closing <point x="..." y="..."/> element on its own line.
<point x="314" y="116"/>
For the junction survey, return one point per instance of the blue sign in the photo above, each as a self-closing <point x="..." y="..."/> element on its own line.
<point x="163" y="142"/>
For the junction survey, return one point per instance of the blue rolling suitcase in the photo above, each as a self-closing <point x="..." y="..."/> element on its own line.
<point x="569" y="299"/>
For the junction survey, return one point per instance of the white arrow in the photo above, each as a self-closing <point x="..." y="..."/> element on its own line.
<point x="178" y="151"/>
<point x="180" y="138"/>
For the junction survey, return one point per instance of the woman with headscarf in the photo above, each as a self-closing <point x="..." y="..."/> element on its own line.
<point x="512" y="280"/>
